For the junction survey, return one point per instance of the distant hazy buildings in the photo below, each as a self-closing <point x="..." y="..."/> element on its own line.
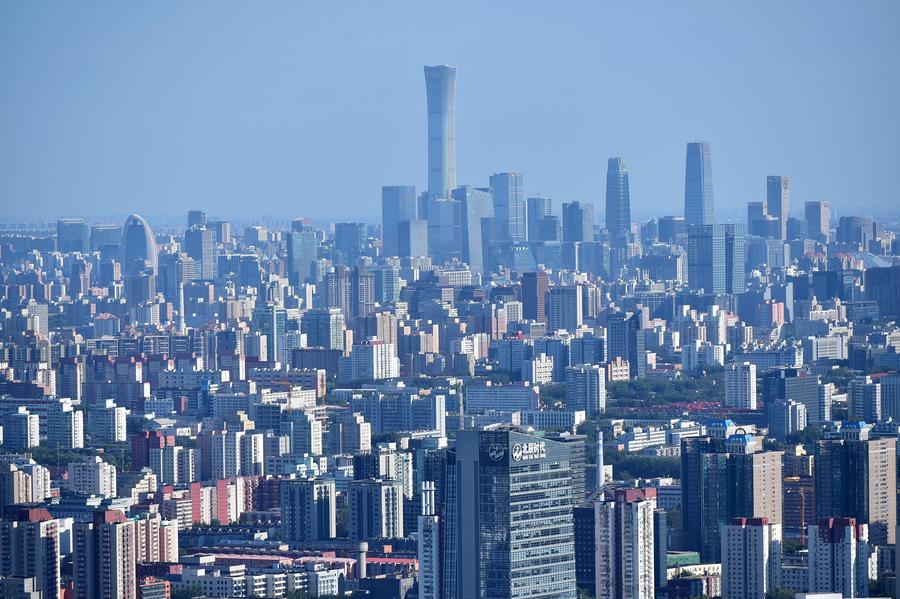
<point x="440" y="89"/>
<point x="398" y="204"/>
<point x="698" y="186"/>
<point x="138" y="246"/>
<point x="578" y="221"/>
<point x="778" y="201"/>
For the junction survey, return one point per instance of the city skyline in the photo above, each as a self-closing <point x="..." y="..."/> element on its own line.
<point x="274" y="141"/>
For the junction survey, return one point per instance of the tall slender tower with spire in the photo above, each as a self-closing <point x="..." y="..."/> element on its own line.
<point x="440" y="90"/>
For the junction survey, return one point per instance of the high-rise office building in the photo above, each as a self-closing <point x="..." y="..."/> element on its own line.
<point x="618" y="200"/>
<point x="586" y="389"/>
<point x="818" y="220"/>
<point x="308" y="510"/>
<point x="564" y="308"/>
<point x="440" y="93"/>
<point x="751" y="558"/>
<point x="857" y="478"/>
<point x="716" y="255"/>
<point x="625" y="558"/>
<point x="517" y="537"/>
<point x="698" y="186"/>
<point x="30" y="549"/>
<point x="476" y="217"/>
<point x="196" y="218"/>
<point x="105" y="237"/>
<point x="138" y="246"/>
<point x="778" y="200"/>
<point x="324" y="328"/>
<point x="413" y="239"/>
<point x="200" y="244"/>
<point x="754" y="482"/>
<point x="302" y="253"/>
<point x="740" y="386"/>
<point x="578" y="221"/>
<point x="349" y="242"/>
<point x="398" y="204"/>
<point x="73" y="235"/>
<point x="444" y="230"/>
<point x="535" y="285"/>
<point x="509" y="207"/>
<point x="105" y="557"/>
<point x="839" y="552"/>
<point x="537" y="208"/>
<point x="429" y="545"/>
<point x="883" y="287"/>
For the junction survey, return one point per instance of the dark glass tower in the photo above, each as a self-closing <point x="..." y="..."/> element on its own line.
<point x="398" y="203"/>
<point x="618" y="199"/>
<point x="698" y="189"/>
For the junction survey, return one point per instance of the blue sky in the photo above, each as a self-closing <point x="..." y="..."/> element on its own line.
<point x="307" y="108"/>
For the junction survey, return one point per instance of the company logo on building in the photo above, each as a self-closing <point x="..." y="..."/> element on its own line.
<point x="496" y="451"/>
<point x="529" y="451"/>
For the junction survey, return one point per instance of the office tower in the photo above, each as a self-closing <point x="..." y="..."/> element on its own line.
<point x="510" y="217"/>
<point x="670" y="228"/>
<point x="398" y="204"/>
<point x="753" y="481"/>
<point x="105" y="555"/>
<point x="376" y="509"/>
<point x="818" y="220"/>
<point x="864" y="399"/>
<point x="883" y="287"/>
<point x="387" y="284"/>
<point x="537" y="209"/>
<point x="778" y="200"/>
<point x="586" y="389"/>
<point x="698" y="187"/>
<point x="105" y="237"/>
<point x="196" y="218"/>
<point x="716" y="255"/>
<point x="429" y="545"/>
<point x="578" y="221"/>
<point x="751" y="558"/>
<point x="703" y="495"/>
<point x="271" y="321"/>
<point x="413" y="239"/>
<point x="801" y="386"/>
<point x="857" y="478"/>
<point x="308" y="510"/>
<point x="302" y="253"/>
<point x="839" y="551"/>
<point x="362" y="292"/>
<point x="756" y="211"/>
<point x="624" y="340"/>
<point x="440" y="92"/>
<point x="30" y="541"/>
<point x="73" y="235"/>
<point x="336" y="290"/>
<point x="349" y="242"/>
<point x="618" y="200"/>
<point x="444" y="230"/>
<point x="625" y="556"/>
<point x="564" y="308"/>
<point x="535" y="285"/>
<point x="21" y="429"/>
<point x="324" y="328"/>
<point x="740" y="386"/>
<point x="476" y="214"/>
<point x="138" y="246"/>
<point x="200" y="244"/>
<point x="515" y="537"/>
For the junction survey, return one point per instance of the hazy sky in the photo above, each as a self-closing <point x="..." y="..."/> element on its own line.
<point x="307" y="108"/>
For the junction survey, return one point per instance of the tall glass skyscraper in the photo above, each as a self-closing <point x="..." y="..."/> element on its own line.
<point x="578" y="221"/>
<point x="509" y="207"/>
<point x="537" y="209"/>
<point x="778" y="200"/>
<point x="398" y="203"/>
<point x="698" y="189"/>
<point x="440" y="90"/>
<point x="476" y="214"/>
<point x="618" y="199"/>
<point x="716" y="255"/>
<point x="138" y="246"/>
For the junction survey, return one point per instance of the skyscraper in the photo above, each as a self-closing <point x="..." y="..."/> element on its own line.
<point x="138" y="246"/>
<point x="509" y="207"/>
<point x="440" y="91"/>
<point x="537" y="209"/>
<point x="517" y="536"/>
<point x="535" y="285"/>
<point x="200" y="244"/>
<point x="818" y="219"/>
<point x="349" y="242"/>
<point x="578" y="221"/>
<point x="698" y="187"/>
<point x="778" y="200"/>
<point x="398" y="203"/>
<point x="476" y="214"/>
<point x="73" y="235"/>
<point x="302" y="253"/>
<point x="716" y="256"/>
<point x="564" y="308"/>
<point x="105" y="556"/>
<point x="618" y="199"/>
